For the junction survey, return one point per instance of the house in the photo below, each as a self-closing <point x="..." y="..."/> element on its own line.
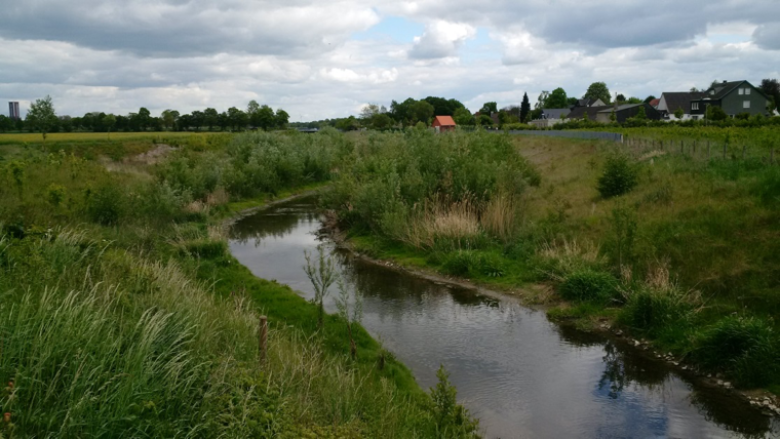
<point x="589" y="102"/>
<point x="733" y="97"/>
<point x="590" y="112"/>
<point x="443" y="124"/>
<point x="654" y="103"/>
<point x="550" y="117"/>
<point x="624" y="112"/>
<point x="670" y="102"/>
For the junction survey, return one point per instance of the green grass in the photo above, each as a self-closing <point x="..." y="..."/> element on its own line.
<point x="690" y="244"/>
<point x="123" y="315"/>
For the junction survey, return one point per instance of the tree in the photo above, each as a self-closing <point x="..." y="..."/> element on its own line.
<point x="41" y="116"/>
<point x="281" y="119"/>
<point x="489" y="108"/>
<point x="620" y="98"/>
<point x="572" y="101"/>
<point x="771" y="88"/>
<point x="237" y="118"/>
<point x="715" y="113"/>
<point x="370" y="110"/>
<point x="641" y="114"/>
<point x="211" y="118"/>
<point x="463" y="116"/>
<point x="557" y="99"/>
<point x="263" y="118"/>
<point x="5" y="123"/>
<point x="422" y="111"/>
<point x="252" y="107"/>
<point x="525" y="108"/>
<point x="109" y="120"/>
<point x="197" y="120"/>
<point x="442" y="106"/>
<point x="679" y="113"/>
<point x="598" y="90"/>
<point x="169" y="118"/>
<point x="380" y="121"/>
<point x="541" y="101"/>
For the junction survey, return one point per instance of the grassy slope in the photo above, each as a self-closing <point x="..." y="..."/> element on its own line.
<point x="171" y="265"/>
<point x="714" y="226"/>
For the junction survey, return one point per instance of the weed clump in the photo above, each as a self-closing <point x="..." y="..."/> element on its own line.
<point x="588" y="285"/>
<point x="744" y="346"/>
<point x="620" y="176"/>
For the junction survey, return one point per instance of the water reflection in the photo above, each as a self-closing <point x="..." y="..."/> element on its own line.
<point x="521" y="374"/>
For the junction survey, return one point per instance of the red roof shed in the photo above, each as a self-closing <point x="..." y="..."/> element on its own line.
<point x="443" y="123"/>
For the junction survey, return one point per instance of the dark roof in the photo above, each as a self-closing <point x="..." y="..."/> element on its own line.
<point x="675" y="100"/>
<point x="555" y="113"/>
<point x="579" y="112"/>
<point x="619" y="108"/>
<point x="721" y="89"/>
<point x="586" y="102"/>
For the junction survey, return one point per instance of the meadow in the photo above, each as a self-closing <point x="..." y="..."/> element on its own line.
<point x="676" y="248"/>
<point x="122" y="313"/>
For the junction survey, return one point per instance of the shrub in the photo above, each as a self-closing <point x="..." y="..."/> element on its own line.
<point x="744" y="346"/>
<point x="587" y="285"/>
<point x="105" y="205"/>
<point x="460" y="263"/>
<point x="620" y="176"/>
<point x="651" y="311"/>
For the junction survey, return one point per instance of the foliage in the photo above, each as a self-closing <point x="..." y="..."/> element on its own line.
<point x="588" y="285"/>
<point x="598" y="90"/>
<point x="41" y="116"/>
<point x="321" y="274"/>
<point x="452" y="420"/>
<point x="557" y="99"/>
<point x="619" y="177"/>
<point x="746" y="346"/>
<point x="525" y="108"/>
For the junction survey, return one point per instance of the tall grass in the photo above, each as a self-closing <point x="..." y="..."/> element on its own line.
<point x="122" y="315"/>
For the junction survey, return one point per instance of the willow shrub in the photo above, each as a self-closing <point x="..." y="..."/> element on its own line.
<point x="254" y="163"/>
<point x="390" y="176"/>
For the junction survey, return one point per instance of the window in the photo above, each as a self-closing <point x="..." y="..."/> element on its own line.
<point x="747" y="91"/>
<point x="694" y="105"/>
<point x="746" y="104"/>
<point x="741" y="91"/>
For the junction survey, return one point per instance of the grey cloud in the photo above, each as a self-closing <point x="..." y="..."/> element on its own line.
<point x="179" y="28"/>
<point x="767" y="36"/>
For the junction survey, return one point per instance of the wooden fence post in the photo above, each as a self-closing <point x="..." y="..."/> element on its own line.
<point x="262" y="336"/>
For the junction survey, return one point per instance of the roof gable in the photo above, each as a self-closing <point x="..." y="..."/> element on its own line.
<point x="444" y="121"/>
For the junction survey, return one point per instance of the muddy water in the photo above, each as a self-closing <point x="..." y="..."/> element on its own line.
<point x="522" y="375"/>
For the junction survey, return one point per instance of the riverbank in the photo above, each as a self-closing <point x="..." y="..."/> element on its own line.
<point x="661" y="262"/>
<point x="123" y="314"/>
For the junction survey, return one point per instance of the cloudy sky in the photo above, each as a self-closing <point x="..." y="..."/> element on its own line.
<point x="324" y="59"/>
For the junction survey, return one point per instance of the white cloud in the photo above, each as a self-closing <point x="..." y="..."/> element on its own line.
<point x="118" y="56"/>
<point x="441" y="39"/>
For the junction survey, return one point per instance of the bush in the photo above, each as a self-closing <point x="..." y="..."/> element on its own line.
<point x="652" y="311"/>
<point x="587" y="285"/>
<point x="105" y="205"/>
<point x="744" y="346"/>
<point x="620" y="176"/>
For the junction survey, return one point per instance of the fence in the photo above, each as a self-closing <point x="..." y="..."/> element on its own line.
<point x="586" y="135"/>
<point x="700" y="149"/>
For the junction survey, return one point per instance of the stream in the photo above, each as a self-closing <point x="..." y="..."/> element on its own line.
<point x="520" y="374"/>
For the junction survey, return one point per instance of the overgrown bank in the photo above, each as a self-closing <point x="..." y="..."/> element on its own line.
<point x="123" y="315"/>
<point x="679" y="250"/>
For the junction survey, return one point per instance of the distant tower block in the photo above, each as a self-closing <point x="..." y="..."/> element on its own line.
<point x="13" y="110"/>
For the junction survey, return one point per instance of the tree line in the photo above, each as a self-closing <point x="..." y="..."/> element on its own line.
<point x="43" y="118"/>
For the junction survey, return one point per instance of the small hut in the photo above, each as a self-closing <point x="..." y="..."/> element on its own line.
<point x="443" y="123"/>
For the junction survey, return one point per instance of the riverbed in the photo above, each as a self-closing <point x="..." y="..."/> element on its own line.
<point x="522" y="375"/>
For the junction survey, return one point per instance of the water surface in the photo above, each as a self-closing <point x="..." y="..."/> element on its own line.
<point x="522" y="375"/>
